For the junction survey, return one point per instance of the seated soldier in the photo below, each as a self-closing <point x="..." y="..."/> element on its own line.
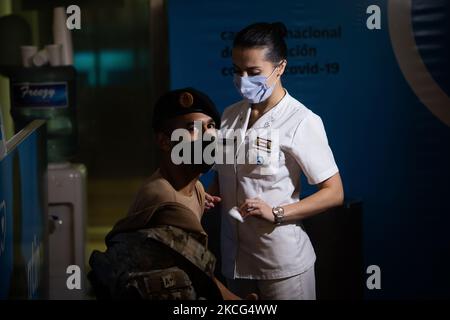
<point x="159" y="251"/>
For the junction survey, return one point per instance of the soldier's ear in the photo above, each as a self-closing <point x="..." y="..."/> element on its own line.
<point x="163" y="141"/>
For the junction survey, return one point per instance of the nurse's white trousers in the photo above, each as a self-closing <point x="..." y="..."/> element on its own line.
<point x="298" y="287"/>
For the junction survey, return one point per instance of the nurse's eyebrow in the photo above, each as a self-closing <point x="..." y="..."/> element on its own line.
<point x="248" y="68"/>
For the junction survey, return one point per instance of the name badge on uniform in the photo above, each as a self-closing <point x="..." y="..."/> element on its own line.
<point x="263" y="144"/>
<point x="263" y="151"/>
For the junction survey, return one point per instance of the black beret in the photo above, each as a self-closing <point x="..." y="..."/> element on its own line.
<point x="180" y="102"/>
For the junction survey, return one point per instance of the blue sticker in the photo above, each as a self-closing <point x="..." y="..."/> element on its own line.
<point x="259" y="160"/>
<point x="40" y="95"/>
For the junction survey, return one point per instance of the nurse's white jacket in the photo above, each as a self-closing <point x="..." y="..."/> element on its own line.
<point x="267" y="161"/>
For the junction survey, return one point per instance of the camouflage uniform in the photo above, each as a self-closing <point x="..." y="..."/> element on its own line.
<point x="159" y="261"/>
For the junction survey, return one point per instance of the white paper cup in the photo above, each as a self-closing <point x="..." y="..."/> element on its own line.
<point x="27" y="54"/>
<point x="54" y="54"/>
<point x="40" y="58"/>
<point x="62" y="35"/>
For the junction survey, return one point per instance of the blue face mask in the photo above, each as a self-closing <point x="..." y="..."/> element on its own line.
<point x="254" y="88"/>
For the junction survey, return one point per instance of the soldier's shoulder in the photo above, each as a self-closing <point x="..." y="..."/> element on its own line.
<point x="153" y="191"/>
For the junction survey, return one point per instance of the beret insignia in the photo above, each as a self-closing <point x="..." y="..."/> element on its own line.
<point x="186" y="100"/>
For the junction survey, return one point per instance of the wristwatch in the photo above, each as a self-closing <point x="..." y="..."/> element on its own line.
<point x="278" y="213"/>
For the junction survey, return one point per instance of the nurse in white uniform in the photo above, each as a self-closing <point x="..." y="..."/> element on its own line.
<point x="274" y="139"/>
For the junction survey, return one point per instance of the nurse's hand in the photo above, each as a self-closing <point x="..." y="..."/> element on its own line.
<point x="258" y="208"/>
<point x="211" y="201"/>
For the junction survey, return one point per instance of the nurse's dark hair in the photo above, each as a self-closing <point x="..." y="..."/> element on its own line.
<point x="264" y="35"/>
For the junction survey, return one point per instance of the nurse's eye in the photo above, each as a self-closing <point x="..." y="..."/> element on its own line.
<point x="254" y="73"/>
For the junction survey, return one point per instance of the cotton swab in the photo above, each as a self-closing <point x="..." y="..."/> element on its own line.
<point x="234" y="212"/>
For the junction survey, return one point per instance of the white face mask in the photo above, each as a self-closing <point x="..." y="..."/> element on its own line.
<point x="254" y="88"/>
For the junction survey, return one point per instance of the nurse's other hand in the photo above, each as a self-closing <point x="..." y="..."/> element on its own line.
<point x="258" y="208"/>
<point x="210" y="201"/>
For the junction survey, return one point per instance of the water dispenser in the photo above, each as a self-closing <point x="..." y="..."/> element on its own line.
<point x="48" y="93"/>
